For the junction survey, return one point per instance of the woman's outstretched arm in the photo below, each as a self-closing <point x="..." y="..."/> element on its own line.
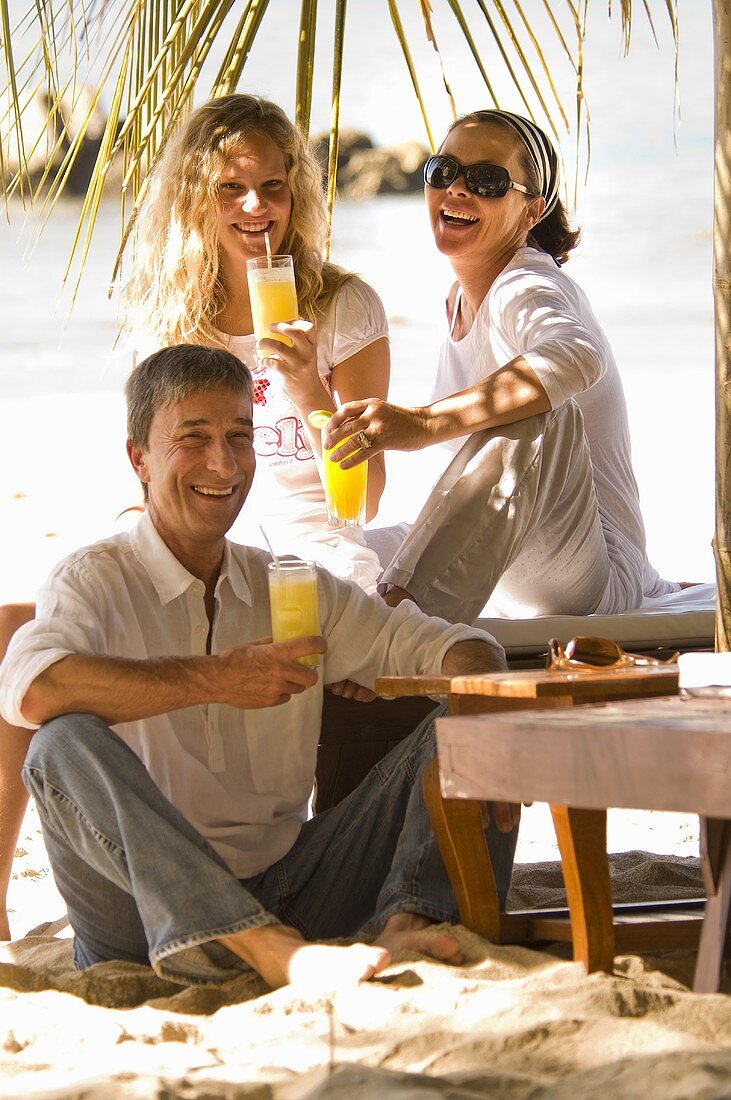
<point x="512" y="393"/>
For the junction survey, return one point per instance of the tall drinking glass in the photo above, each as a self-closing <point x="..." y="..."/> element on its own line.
<point x="272" y="293"/>
<point x="293" y="602"/>
<point x="345" y="491"/>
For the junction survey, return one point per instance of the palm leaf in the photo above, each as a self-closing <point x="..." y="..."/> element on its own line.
<point x="473" y="49"/>
<point x="400" y="34"/>
<point x="554" y="23"/>
<point x="305" y="65"/>
<point x="426" y="12"/>
<point x="147" y="57"/>
<point x="648" y="13"/>
<point x="510" y="69"/>
<point x="576" y="15"/>
<point x="15" y="96"/>
<point x="334" y="145"/>
<point x="239" y="48"/>
<point x="545" y="68"/>
<point x="94" y="194"/>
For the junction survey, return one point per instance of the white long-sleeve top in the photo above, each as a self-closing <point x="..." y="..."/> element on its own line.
<point x="535" y="310"/>
<point x="242" y="778"/>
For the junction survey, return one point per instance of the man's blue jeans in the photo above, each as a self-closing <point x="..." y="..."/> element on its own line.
<point x="140" y="883"/>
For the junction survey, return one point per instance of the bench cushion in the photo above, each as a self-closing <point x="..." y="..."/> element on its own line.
<point x="681" y="620"/>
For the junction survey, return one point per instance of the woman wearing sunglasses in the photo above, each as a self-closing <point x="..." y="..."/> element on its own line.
<point x="539" y="509"/>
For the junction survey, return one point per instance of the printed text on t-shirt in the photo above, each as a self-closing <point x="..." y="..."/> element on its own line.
<point x="286" y="438"/>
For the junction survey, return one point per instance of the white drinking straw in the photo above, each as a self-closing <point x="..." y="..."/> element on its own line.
<point x="269" y="264"/>
<point x="275" y="559"/>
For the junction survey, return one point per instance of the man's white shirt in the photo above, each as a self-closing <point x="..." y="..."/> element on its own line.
<point x="241" y="778"/>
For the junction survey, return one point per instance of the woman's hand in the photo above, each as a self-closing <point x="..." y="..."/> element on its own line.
<point x="385" y="427"/>
<point x="297" y="364"/>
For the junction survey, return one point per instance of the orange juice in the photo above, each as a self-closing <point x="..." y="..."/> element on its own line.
<point x="293" y="602"/>
<point x="272" y="293"/>
<point x="345" y="491"/>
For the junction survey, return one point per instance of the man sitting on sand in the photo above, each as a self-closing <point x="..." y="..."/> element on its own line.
<point x="179" y="835"/>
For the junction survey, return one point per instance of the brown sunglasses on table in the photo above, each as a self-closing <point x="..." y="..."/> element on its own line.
<point x="583" y="654"/>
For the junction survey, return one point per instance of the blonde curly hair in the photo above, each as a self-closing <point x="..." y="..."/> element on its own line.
<point x="177" y="290"/>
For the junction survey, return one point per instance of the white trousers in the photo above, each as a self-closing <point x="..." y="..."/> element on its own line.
<point x="514" y="519"/>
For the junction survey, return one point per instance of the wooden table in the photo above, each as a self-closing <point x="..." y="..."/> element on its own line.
<point x="662" y="754"/>
<point x="500" y="691"/>
<point x="594" y="927"/>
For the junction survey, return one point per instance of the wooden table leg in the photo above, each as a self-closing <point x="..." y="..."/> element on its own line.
<point x="716" y="865"/>
<point x="458" y="828"/>
<point x="582" y="840"/>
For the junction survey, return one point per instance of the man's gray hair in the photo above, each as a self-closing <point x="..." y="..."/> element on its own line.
<point x="169" y="376"/>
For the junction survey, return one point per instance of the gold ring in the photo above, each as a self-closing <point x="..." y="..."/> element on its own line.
<point x="363" y="441"/>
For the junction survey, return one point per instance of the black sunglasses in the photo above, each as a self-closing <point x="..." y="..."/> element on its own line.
<point x="487" y="181"/>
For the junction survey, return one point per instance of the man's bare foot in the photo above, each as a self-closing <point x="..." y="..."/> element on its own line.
<point x="394" y="595"/>
<point x="282" y="956"/>
<point x="410" y="932"/>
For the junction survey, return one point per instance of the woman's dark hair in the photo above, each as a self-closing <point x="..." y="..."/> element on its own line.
<point x="554" y="234"/>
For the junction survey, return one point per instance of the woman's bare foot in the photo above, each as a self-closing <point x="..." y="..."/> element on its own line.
<point x="281" y="956"/>
<point x="394" y="595"/>
<point x="410" y="932"/>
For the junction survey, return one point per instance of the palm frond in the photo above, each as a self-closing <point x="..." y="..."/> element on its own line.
<point x="556" y="27"/>
<point x="305" y="64"/>
<point x="648" y="13"/>
<point x="334" y="144"/>
<point x="501" y="48"/>
<point x="90" y="209"/>
<point x="146" y="57"/>
<point x="426" y="13"/>
<point x="545" y="67"/>
<point x="13" y="82"/>
<point x="239" y="48"/>
<point x="400" y="34"/>
<point x="473" y="48"/>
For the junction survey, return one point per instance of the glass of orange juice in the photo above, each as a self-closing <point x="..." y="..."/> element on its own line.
<point x="293" y="602"/>
<point x="272" y="293"/>
<point x="345" y="490"/>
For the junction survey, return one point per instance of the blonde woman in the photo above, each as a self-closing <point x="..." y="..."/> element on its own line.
<point x="236" y="170"/>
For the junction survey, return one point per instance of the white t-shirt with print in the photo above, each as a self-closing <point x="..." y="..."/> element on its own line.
<point x="287" y="498"/>
<point x="535" y="310"/>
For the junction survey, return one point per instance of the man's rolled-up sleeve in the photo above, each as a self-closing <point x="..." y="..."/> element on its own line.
<point x="367" y="639"/>
<point x="66" y="623"/>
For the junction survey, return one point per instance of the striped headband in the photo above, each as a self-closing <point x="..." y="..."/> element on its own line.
<point x="541" y="153"/>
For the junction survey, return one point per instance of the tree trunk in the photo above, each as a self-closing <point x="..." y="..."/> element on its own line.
<point x="722" y="305"/>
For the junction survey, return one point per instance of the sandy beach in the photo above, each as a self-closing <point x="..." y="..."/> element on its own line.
<point x="510" y="1022"/>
